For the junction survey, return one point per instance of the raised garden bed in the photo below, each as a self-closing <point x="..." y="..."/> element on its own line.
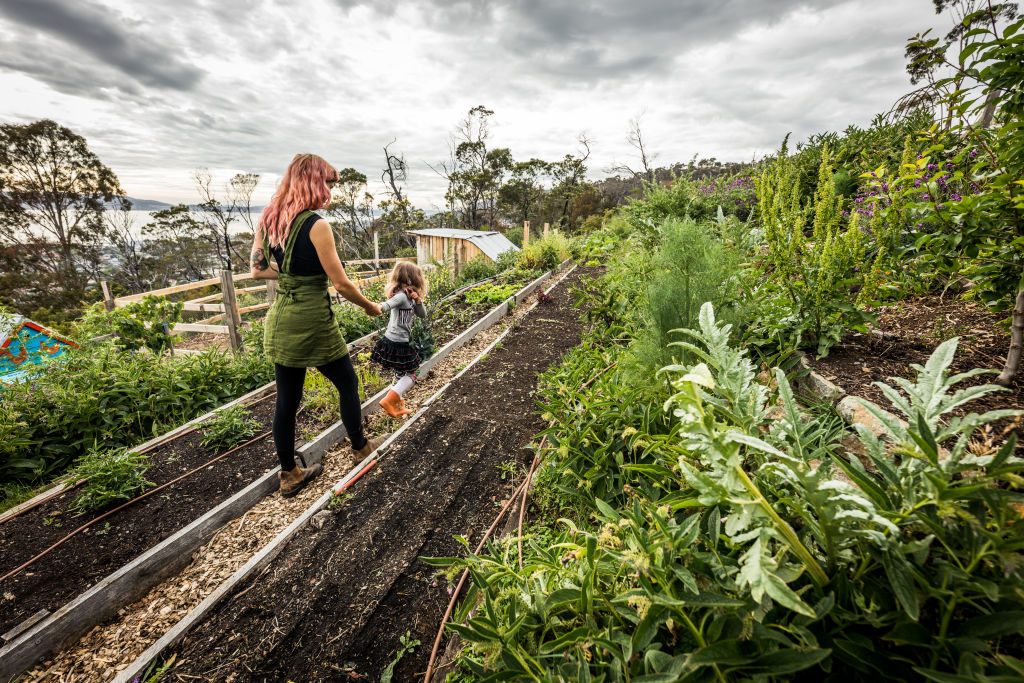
<point x="61" y="632"/>
<point x="92" y="554"/>
<point x="910" y="332"/>
<point x="440" y="478"/>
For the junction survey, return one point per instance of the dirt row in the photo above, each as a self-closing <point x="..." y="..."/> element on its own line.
<point x="116" y="540"/>
<point x="335" y="602"/>
<point x="109" y="648"/>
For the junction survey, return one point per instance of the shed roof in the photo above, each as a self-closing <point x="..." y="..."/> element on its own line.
<point x="491" y="243"/>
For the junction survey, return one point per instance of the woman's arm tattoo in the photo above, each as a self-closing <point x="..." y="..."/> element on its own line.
<point x="258" y="260"/>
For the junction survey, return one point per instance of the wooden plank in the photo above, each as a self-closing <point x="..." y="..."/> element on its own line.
<point x="196" y="327"/>
<point x="370" y="261"/>
<point x="245" y="309"/>
<point x="108" y="300"/>
<point x="232" y="315"/>
<point x="122" y="300"/>
<point x="214" y="297"/>
<point x="202" y="308"/>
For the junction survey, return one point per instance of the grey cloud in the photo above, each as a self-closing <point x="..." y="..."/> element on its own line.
<point x="108" y="38"/>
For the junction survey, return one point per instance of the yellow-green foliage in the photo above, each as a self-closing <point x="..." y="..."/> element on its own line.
<point x="821" y="273"/>
<point x="545" y="253"/>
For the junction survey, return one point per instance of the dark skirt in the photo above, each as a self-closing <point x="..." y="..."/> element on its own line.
<point x="400" y="357"/>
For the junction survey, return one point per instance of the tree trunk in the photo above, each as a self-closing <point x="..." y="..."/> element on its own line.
<point x="1016" y="337"/>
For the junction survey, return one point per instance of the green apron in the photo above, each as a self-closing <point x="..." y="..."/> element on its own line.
<point x="300" y="330"/>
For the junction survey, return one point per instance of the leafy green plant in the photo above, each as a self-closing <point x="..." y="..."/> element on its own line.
<point x="477" y="269"/>
<point x="490" y="293"/>
<point x="818" y="275"/>
<point x="99" y="395"/>
<point x="745" y="554"/>
<point x="690" y="267"/>
<point x="111" y="475"/>
<point x="408" y="644"/>
<point x="146" y="323"/>
<point x="229" y="428"/>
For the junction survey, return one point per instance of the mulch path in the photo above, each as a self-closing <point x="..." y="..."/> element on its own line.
<point x="912" y="330"/>
<point x="334" y="603"/>
<point x="94" y="553"/>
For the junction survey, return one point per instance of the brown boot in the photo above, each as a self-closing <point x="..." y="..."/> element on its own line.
<point x="294" y="479"/>
<point x="370" y="447"/>
<point x="393" y="405"/>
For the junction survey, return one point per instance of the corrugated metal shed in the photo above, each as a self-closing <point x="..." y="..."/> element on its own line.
<point x="491" y="243"/>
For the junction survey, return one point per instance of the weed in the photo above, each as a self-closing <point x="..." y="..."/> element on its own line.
<point x="508" y="469"/>
<point x="229" y="428"/>
<point x="111" y="475"/>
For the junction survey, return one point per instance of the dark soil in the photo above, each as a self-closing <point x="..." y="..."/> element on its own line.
<point x="334" y="603"/>
<point x="93" y="554"/>
<point x="913" y="329"/>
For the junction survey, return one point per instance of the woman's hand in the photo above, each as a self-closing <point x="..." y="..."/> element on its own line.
<point x="372" y="309"/>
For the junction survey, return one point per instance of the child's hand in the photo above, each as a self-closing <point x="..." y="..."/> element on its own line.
<point x="413" y="294"/>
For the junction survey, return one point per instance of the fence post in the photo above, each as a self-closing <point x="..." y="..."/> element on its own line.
<point x="108" y="301"/>
<point x="546" y="227"/>
<point x="526" y="233"/>
<point x="231" y="314"/>
<point x="271" y="290"/>
<point x="376" y="251"/>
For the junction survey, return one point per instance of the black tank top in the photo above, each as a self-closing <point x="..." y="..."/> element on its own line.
<point x="305" y="260"/>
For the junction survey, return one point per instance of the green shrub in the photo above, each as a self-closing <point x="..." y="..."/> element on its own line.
<point x="229" y="428"/>
<point x="111" y="475"/>
<point x="820" y="276"/>
<point x="728" y="549"/>
<point x="100" y="395"/>
<point x="692" y="266"/>
<point x="141" y="324"/>
<point x="490" y="293"/>
<point x="477" y="269"/>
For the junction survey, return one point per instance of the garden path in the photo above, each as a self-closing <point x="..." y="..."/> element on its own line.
<point x="338" y="598"/>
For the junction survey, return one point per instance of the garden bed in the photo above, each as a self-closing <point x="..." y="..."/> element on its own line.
<point x="92" y="554"/>
<point x="117" y="589"/>
<point x="356" y="585"/>
<point x="911" y="330"/>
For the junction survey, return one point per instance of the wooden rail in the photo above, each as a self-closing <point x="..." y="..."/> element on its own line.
<point x="228" y="310"/>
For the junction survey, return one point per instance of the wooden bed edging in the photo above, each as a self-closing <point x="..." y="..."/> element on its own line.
<point x="133" y="580"/>
<point x="255" y="393"/>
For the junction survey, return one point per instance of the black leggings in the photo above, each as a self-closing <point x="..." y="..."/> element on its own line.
<point x="289" y="394"/>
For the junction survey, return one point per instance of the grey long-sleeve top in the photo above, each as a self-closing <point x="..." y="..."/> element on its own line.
<point x="402" y="310"/>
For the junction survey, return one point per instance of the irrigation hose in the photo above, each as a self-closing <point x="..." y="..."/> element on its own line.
<point x="148" y="449"/>
<point x="29" y="563"/>
<point x="524" y="489"/>
<point x="462" y="580"/>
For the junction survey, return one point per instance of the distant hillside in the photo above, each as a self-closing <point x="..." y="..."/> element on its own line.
<point x="154" y="205"/>
<point x="148" y="204"/>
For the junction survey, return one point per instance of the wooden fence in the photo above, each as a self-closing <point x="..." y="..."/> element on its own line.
<point x="228" y="309"/>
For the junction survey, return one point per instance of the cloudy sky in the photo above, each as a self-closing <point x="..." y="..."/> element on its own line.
<point x="160" y="88"/>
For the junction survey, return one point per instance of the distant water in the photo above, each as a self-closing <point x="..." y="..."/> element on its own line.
<point x="142" y="218"/>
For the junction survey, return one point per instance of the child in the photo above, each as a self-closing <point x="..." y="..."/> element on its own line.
<point x="406" y="290"/>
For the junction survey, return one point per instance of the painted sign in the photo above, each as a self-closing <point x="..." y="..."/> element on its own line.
<point x="24" y="343"/>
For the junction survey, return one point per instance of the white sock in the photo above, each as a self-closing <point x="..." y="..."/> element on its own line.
<point x="403" y="384"/>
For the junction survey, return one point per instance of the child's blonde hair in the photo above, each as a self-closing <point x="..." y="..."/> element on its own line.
<point x="406" y="274"/>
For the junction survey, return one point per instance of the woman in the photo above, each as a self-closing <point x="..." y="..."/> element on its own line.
<point x="294" y="246"/>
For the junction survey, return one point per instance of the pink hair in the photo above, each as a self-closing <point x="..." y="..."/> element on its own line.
<point x="304" y="186"/>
